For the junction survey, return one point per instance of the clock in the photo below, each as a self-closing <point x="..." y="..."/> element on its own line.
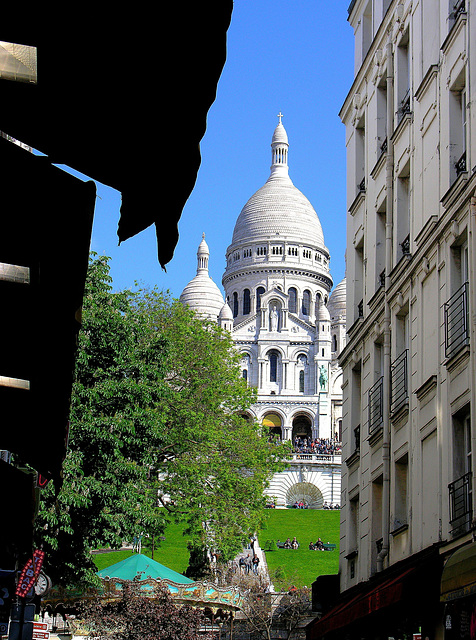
<point x="43" y="584"/>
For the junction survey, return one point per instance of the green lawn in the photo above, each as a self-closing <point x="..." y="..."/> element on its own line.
<point x="171" y="552"/>
<point x="301" y="566"/>
<point x="286" y="566"/>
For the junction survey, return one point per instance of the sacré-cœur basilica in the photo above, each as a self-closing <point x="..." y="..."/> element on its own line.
<point x="288" y="327"/>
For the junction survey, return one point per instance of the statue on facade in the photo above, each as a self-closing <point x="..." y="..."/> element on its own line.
<point x="274" y="318"/>
<point x="323" y="377"/>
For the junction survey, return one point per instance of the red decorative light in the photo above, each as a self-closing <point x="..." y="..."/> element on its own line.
<point x="30" y="573"/>
<point x="41" y="481"/>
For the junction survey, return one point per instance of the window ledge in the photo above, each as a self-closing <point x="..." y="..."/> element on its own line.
<point x="454" y="31"/>
<point x="453" y="361"/>
<point x="455" y="190"/>
<point x="376" y="435"/>
<point x="401" y="126"/>
<point x="378" y="165"/>
<point x="353" y="458"/>
<point x="428" y="386"/>
<point x="397" y="417"/>
<point x="360" y="197"/>
<point x="400" y="529"/>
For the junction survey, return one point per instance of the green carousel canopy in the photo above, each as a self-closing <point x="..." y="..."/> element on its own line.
<point x="141" y="567"/>
<point x="149" y="574"/>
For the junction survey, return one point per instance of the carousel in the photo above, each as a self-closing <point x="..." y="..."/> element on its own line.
<point x="219" y="603"/>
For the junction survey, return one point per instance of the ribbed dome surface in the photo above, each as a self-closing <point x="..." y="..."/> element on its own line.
<point x="226" y="313"/>
<point x="278" y="208"/>
<point x="203" y="296"/>
<point x="280" y="135"/>
<point x="337" y="300"/>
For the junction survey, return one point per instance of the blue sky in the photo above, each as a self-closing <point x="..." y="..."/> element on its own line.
<point x="293" y="56"/>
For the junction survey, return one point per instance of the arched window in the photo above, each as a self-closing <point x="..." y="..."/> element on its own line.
<point x="273" y="366"/>
<point x="334" y="342"/>
<point x="235" y="304"/>
<point x="259" y="293"/>
<point x="244" y="373"/>
<point x="246" y="302"/>
<point x="292" y="293"/>
<point x="306" y="302"/>
<point x="301" y="381"/>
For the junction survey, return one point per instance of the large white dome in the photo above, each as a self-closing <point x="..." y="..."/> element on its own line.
<point x="279" y="210"/>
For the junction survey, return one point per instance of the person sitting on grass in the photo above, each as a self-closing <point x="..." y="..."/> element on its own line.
<point x="319" y="545"/>
<point x="287" y="544"/>
<point x="295" y="543"/>
<point x="311" y="546"/>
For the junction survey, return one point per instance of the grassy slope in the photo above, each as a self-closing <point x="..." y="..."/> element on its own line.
<point x="302" y="566"/>
<point x="172" y="551"/>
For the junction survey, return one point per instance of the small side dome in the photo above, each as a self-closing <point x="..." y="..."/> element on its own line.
<point x="323" y="314"/>
<point x="201" y="294"/>
<point x="337" y="301"/>
<point x="226" y="313"/>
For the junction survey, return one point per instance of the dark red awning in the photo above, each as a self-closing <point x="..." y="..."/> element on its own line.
<point x="364" y="603"/>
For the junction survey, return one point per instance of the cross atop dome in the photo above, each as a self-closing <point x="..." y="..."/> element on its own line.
<point x="280" y="115"/>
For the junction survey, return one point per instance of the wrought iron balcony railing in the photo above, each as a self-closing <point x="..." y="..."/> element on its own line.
<point x="405" y="107"/>
<point x="360" y="309"/>
<point x="406" y="246"/>
<point x="357" y="438"/>
<point x="376" y="406"/>
<point x="399" y="382"/>
<point x="456" y="321"/>
<point x="461" y="508"/>
<point x="460" y="166"/>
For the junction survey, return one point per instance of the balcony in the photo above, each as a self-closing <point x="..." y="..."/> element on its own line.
<point x="316" y="458"/>
<point x="376" y="407"/>
<point x="405" y="245"/>
<point x="456" y="322"/>
<point x="460" y="166"/>
<point x="360" y="309"/>
<point x="399" y="382"/>
<point x="461" y="509"/>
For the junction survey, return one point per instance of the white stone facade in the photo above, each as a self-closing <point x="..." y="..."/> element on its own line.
<point x="408" y="482"/>
<point x="277" y="284"/>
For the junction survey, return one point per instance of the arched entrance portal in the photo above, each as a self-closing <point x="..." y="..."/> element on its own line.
<point x="302" y="427"/>
<point x="273" y="422"/>
<point x="305" y="492"/>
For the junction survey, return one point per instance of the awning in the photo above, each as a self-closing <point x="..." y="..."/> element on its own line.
<point x="271" y="420"/>
<point x="364" y="603"/>
<point x="458" y="579"/>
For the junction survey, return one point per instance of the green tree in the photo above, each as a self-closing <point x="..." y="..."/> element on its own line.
<point x="138" y="616"/>
<point x="156" y="420"/>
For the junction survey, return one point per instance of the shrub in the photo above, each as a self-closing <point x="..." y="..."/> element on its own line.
<point x="270" y="545"/>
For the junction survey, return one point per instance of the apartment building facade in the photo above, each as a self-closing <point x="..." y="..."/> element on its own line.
<point x="407" y="549"/>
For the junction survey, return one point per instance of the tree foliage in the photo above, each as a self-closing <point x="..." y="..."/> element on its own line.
<point x="138" y="617"/>
<point x="156" y="420"/>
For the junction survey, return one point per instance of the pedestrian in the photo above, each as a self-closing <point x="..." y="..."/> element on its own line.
<point x="255" y="564"/>
<point x="241" y="564"/>
<point x="248" y="564"/>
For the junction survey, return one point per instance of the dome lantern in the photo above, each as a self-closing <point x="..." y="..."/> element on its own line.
<point x="279" y="151"/>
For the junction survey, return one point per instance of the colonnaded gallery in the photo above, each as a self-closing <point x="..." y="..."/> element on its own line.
<point x="287" y="325"/>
